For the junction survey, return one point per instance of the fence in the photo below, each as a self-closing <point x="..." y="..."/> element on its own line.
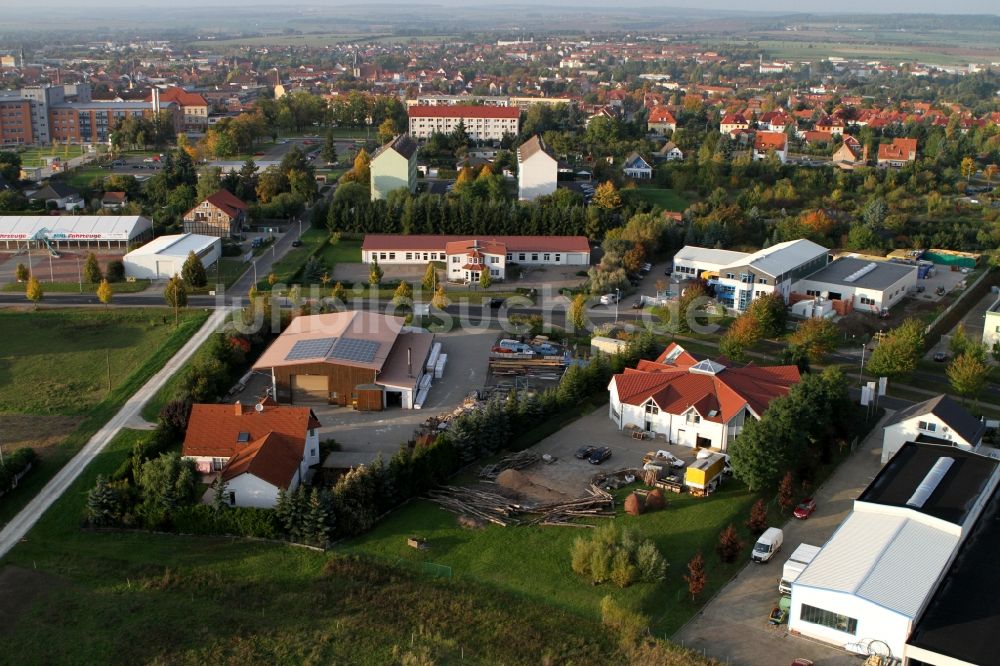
<point x="954" y="312"/>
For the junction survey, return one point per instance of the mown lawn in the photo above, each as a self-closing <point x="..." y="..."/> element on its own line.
<point x="139" y="598"/>
<point x="56" y="362"/>
<point x="35" y="157"/>
<point x="340" y="252"/>
<point x="534" y="562"/>
<point x="664" y="198"/>
<point x="77" y="287"/>
<point x="287" y="268"/>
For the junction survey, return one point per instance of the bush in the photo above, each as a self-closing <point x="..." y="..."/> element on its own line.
<point x="583" y="551"/>
<point x="14" y="464"/>
<point x="236" y="521"/>
<point x="623" y="571"/>
<point x="650" y="562"/>
<point x="758" y="518"/>
<point x="617" y="555"/>
<point x="729" y="545"/>
<point x="115" y="271"/>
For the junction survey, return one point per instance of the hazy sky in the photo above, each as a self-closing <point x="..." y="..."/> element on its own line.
<point x="883" y="6"/>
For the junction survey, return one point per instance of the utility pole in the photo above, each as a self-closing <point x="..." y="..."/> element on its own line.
<point x="79" y="273"/>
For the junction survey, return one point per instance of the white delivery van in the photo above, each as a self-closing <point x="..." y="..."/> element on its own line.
<point x="767" y="545"/>
<point x="796" y="564"/>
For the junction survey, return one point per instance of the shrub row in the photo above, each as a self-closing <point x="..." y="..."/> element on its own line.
<point x="13" y="465"/>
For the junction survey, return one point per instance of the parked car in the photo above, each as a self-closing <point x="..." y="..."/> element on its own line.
<point x="296" y="243"/>
<point x="547" y="349"/>
<point x="940" y="357"/>
<point x="802" y="662"/>
<point x="805" y="508"/>
<point x="609" y="299"/>
<point x="148" y="159"/>
<point x="637" y="305"/>
<point x="584" y="452"/>
<point x="647" y="267"/>
<point x="495" y="303"/>
<point x="599" y="455"/>
<point x="767" y="545"/>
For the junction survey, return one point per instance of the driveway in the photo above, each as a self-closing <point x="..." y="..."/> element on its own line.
<point x="364" y="435"/>
<point x="733" y="626"/>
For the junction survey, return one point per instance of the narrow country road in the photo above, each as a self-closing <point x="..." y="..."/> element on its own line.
<point x="18" y="527"/>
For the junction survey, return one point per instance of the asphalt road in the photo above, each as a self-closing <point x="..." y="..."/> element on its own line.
<point x="19" y="526"/>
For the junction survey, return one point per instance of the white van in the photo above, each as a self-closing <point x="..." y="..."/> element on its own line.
<point x="767" y="545"/>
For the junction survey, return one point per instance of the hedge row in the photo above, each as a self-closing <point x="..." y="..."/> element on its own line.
<point x="14" y="464"/>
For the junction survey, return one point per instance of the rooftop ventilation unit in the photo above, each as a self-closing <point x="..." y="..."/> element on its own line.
<point x="861" y="272"/>
<point x="930" y="482"/>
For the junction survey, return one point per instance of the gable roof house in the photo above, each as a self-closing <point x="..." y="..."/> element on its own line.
<point x="898" y="153"/>
<point x="661" y="120"/>
<point x="221" y="214"/>
<point x="636" y="167"/>
<point x="850" y="154"/>
<point x="113" y="200"/>
<point x="694" y="402"/>
<point x="255" y="451"/>
<point x="394" y="167"/>
<point x="62" y="195"/>
<point x="765" y="142"/>
<point x="668" y="153"/>
<point x="733" y="122"/>
<point x="939" y="420"/>
<point x="537" y="169"/>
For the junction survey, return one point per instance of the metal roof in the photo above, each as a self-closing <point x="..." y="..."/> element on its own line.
<point x="73" y="227"/>
<point x="890" y="560"/>
<point x="783" y="257"/>
<point x="177" y="245"/>
<point x="709" y="255"/>
<point x="885" y="273"/>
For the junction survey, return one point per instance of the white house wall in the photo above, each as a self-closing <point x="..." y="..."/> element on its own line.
<point x="874" y="622"/>
<point x="537" y="176"/>
<point x="675" y="426"/>
<point x="253" y="491"/>
<point x="897" y="434"/>
<point x="991" y="329"/>
<point x="391" y="171"/>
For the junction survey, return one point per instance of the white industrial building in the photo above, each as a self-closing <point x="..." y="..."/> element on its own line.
<point x="164" y="257"/>
<point x="869" y="584"/>
<point x="65" y="231"/>
<point x="870" y="286"/>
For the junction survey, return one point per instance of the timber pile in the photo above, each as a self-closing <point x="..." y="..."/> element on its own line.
<point x="501" y="511"/>
<point x="518" y="460"/>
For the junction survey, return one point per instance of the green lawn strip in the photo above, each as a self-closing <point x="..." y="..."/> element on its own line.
<point x="81" y="177"/>
<point x="664" y="198"/>
<point x="75" y="287"/>
<point x="34" y="157"/>
<point x="287" y="268"/>
<point x="152" y="358"/>
<point x="225" y="271"/>
<point x="340" y="252"/>
<point x="534" y="562"/>
<point x="126" y="597"/>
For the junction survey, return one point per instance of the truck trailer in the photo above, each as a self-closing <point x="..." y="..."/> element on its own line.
<point x="796" y="564"/>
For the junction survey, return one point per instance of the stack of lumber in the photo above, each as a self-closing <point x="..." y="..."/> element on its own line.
<point x="502" y="511"/>
<point x="518" y="460"/>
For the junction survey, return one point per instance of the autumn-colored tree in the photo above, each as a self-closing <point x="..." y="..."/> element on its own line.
<point x="403" y="294"/>
<point x="817" y="223"/>
<point x="104" y="292"/>
<point x="272" y="279"/>
<point x="786" y="490"/>
<point x="34" y="290"/>
<point x="485" y="279"/>
<point x="990" y="172"/>
<point x="969" y="373"/>
<point x="606" y="196"/>
<point x="175" y="295"/>
<point x="968" y="167"/>
<point x="758" y="518"/>
<point x="633" y="259"/>
<point x="814" y="338"/>
<point x="577" y="315"/>
<point x="464" y="177"/>
<point x="386" y="131"/>
<point x="695" y="576"/>
<point x="729" y="545"/>
<point x="361" y="171"/>
<point x="899" y="351"/>
<point x="91" y="269"/>
<point x="375" y="273"/>
<point x="440" y="300"/>
<point x="338" y="293"/>
<point x="430" y="281"/>
<point x="21" y="273"/>
<point x="687" y="306"/>
<point x="743" y="334"/>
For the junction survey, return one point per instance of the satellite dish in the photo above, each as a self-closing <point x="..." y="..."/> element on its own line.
<point x="259" y="407"/>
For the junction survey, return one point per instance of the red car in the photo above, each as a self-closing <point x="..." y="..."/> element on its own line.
<point x="805" y="508"/>
<point x="802" y="662"/>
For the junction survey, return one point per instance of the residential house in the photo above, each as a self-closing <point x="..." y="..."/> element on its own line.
<point x="661" y="120"/>
<point x="255" y="450"/>
<point x="733" y="123"/>
<point x="193" y="108"/>
<point x="636" y="167"/>
<point x="831" y="125"/>
<point x="669" y="153"/>
<point x="850" y="154"/>
<point x="221" y="214"/>
<point x="898" y="153"/>
<point x="991" y="327"/>
<point x="113" y="200"/>
<point x="60" y="195"/>
<point x="765" y="143"/>
<point x="939" y="420"/>
<point x="394" y="167"/>
<point x="537" y="170"/>
<point x="694" y="402"/>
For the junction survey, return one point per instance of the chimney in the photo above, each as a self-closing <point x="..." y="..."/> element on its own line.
<point x="409" y="361"/>
<point x="239" y="408"/>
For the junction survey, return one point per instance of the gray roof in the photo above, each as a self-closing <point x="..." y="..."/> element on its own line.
<point x="402" y="144"/>
<point x="885" y="274"/>
<point x="783" y="257"/>
<point x="530" y="147"/>
<point x="54" y="190"/>
<point x="961" y="422"/>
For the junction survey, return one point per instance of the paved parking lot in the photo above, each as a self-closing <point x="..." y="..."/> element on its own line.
<point x="733" y="626"/>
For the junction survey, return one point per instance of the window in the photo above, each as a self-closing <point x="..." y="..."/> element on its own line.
<point x="425" y="256"/>
<point x="312" y="452"/>
<point x="693" y="418"/>
<point x="925" y="425"/>
<point x="545" y="257"/>
<point x="494" y="260"/>
<point x="218" y="464"/>
<point x="409" y="256"/>
<point x="392" y="255"/>
<point x="455" y="259"/>
<point x="652" y="409"/>
<point x="232" y="498"/>
<point x="730" y="276"/>
<point x="829" y="619"/>
<point x="243" y="437"/>
<point x="865" y="300"/>
<point x="812" y="292"/>
<point x="534" y="256"/>
<point x="558" y="258"/>
<point x="510" y="257"/>
<point x="381" y="255"/>
<point x="521" y="256"/>
<point x="761" y="280"/>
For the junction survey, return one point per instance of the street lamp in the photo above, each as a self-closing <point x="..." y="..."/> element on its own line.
<point x="617" y="299"/>
<point x="79" y="273"/>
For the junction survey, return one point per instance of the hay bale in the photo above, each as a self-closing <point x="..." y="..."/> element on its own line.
<point x="633" y="505"/>
<point x="655" y="500"/>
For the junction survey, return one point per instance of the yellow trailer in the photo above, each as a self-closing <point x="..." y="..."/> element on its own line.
<point x="702" y="475"/>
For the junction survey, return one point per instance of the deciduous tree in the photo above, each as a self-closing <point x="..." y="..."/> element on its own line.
<point x="729" y="545"/>
<point x="743" y="334"/>
<point x="969" y="374"/>
<point x="606" y="196"/>
<point x="91" y="269"/>
<point x="375" y="273"/>
<point x="815" y="338"/>
<point x="104" y="292"/>
<point x="786" y="490"/>
<point x="193" y="271"/>
<point x="21" y="273"/>
<point x="899" y="351"/>
<point x="695" y="576"/>
<point x="430" y="281"/>
<point x="175" y="294"/>
<point x="403" y="294"/>
<point x="34" y="290"/>
<point x="577" y="315"/>
<point x="758" y="518"/>
<point x="485" y="279"/>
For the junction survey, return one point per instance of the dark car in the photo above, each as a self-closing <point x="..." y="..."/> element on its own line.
<point x="599" y="455"/>
<point x="585" y="452"/>
<point x="805" y="508"/>
<point x="940" y="357"/>
<point x="637" y="305"/>
<point x="495" y="303"/>
<point x="296" y="243"/>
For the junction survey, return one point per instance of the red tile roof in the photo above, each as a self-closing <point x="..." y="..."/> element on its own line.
<point x="676" y="388"/>
<point x="379" y="242"/>
<point x="180" y="96"/>
<point x="660" y="114"/>
<point x="902" y="150"/>
<point x="464" y="111"/>
<point x="228" y="202"/>
<point x="765" y="141"/>
<point x="213" y="430"/>
<point x="273" y="458"/>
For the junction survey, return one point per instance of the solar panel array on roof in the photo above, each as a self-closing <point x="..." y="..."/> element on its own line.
<point x="304" y="349"/>
<point x="353" y="349"/>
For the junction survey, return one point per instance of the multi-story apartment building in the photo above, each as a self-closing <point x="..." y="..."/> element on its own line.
<point x="192" y="107"/>
<point x="15" y="122"/>
<point x="482" y="123"/>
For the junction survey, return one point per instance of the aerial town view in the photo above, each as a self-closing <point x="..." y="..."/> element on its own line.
<point x="563" y="333"/>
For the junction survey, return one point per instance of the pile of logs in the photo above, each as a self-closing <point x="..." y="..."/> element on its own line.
<point x="499" y="510"/>
<point x="515" y="461"/>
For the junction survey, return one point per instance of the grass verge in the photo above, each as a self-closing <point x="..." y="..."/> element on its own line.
<point x="76" y="287"/>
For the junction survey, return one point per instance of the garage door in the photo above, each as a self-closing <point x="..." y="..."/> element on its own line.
<point x="310" y="389"/>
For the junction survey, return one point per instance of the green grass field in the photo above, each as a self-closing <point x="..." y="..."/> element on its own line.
<point x="341" y="252"/>
<point x="136" y="597"/>
<point x="534" y="562"/>
<point x="35" y="157"/>
<point x="76" y="287"/>
<point x="664" y="198"/>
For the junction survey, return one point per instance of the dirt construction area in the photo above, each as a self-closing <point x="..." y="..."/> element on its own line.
<point x="66" y="267"/>
<point x="41" y="433"/>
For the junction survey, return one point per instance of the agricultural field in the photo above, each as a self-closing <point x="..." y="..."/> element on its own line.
<point x="56" y="367"/>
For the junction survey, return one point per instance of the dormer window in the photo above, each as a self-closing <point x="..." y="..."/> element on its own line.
<point x="243" y="437"/>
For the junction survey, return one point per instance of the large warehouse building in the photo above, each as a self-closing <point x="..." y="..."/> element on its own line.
<point x="365" y="360"/>
<point x="870" y="286"/>
<point x="64" y="231"/>
<point x="164" y="257"/>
